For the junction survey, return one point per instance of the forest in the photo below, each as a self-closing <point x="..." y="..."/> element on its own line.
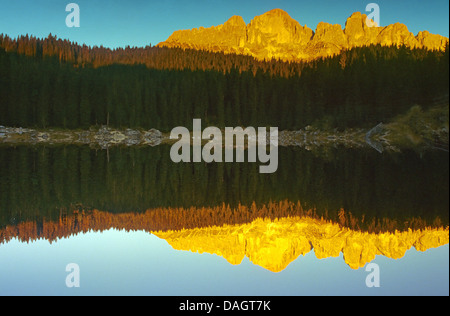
<point x="54" y="83"/>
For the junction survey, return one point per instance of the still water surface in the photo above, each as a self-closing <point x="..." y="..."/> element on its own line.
<point x="136" y="223"/>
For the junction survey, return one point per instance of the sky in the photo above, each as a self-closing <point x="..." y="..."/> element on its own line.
<point x="113" y="23"/>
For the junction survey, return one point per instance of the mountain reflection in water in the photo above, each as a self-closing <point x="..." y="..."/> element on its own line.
<point x="356" y="203"/>
<point x="272" y="236"/>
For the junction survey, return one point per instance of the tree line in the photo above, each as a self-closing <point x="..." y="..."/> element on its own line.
<point x="153" y="57"/>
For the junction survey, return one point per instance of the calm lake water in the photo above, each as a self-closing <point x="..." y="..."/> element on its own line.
<point x="118" y="215"/>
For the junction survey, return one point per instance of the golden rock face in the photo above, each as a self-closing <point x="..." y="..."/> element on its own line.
<point x="275" y="34"/>
<point x="274" y="244"/>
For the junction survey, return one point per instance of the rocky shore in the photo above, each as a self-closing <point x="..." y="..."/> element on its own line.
<point x="378" y="138"/>
<point x="309" y="138"/>
<point x="103" y="137"/>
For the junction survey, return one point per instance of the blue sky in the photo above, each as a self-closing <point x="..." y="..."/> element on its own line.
<point x="136" y="263"/>
<point x="138" y="23"/>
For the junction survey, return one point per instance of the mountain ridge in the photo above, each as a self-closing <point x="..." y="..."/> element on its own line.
<point x="275" y="34"/>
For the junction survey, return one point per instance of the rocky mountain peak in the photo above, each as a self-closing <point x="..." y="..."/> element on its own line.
<point x="275" y="34"/>
<point x="235" y="21"/>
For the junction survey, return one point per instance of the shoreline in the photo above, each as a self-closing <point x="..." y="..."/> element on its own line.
<point x="380" y="138"/>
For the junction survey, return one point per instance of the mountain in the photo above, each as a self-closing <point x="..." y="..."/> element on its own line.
<point x="275" y="34"/>
<point x="273" y="245"/>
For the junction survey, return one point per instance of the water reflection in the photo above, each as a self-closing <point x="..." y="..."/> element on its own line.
<point x="271" y="236"/>
<point x="355" y="205"/>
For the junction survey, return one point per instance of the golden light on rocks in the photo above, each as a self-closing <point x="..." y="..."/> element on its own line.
<point x="274" y="244"/>
<point x="275" y="34"/>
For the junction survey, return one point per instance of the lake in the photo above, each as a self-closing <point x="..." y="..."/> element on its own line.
<point x="136" y="223"/>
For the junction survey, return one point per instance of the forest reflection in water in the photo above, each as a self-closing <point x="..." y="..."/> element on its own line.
<point x="383" y="204"/>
